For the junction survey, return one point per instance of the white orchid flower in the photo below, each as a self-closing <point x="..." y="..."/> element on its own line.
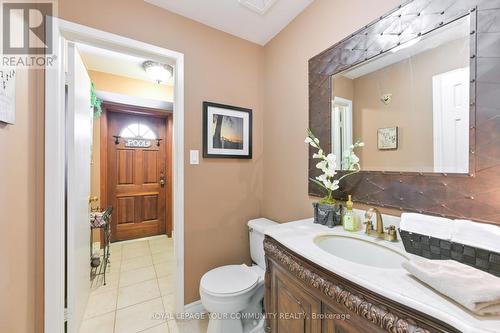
<point x="319" y="154"/>
<point x="321" y="165"/>
<point x="335" y="185"/>
<point x="328" y="184"/>
<point x="328" y="165"/>
<point x="331" y="158"/>
<point x="330" y="172"/>
<point x="322" y="178"/>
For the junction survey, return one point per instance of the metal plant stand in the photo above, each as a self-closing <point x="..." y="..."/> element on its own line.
<point x="102" y="268"/>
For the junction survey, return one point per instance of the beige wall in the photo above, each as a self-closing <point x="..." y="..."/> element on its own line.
<point x="410" y="83"/>
<point x="321" y="25"/>
<point x="219" y="68"/>
<point x="21" y="210"/>
<point x="343" y="87"/>
<point x="131" y="87"/>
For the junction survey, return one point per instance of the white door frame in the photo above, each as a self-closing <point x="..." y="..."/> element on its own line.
<point x="55" y="156"/>
<point x="345" y="124"/>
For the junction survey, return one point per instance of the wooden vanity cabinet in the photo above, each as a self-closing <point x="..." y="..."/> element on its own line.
<point x="302" y="297"/>
<point x="295" y="306"/>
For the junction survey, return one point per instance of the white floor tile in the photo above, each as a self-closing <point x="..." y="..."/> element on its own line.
<point x="169" y="304"/>
<point x="135" y="245"/>
<point x="100" y="324"/>
<point x="158" y="247"/>
<point x="167" y="285"/>
<point x="130" y="253"/>
<point x="188" y="326"/>
<point x="138" y="293"/>
<point x="163" y="256"/>
<point x="138" y="275"/>
<point x="139" y="317"/>
<point x="135" y="263"/>
<point x="164" y="269"/>
<point x="98" y="287"/>
<point x="101" y="303"/>
<point x="163" y="328"/>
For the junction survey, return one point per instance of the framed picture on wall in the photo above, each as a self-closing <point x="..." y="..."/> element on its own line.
<point x="227" y="131"/>
<point x="7" y="95"/>
<point x="387" y="138"/>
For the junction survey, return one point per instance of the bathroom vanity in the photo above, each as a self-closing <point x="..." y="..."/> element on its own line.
<point x="419" y="86"/>
<point x="314" y="287"/>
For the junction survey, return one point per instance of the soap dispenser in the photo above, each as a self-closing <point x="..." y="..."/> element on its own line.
<point x="349" y="219"/>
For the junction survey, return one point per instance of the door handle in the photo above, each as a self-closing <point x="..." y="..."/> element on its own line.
<point x="162" y="178"/>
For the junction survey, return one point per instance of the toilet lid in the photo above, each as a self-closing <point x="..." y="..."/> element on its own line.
<point x="229" y="279"/>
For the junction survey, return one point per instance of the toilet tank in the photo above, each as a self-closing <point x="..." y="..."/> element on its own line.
<point x="256" y="230"/>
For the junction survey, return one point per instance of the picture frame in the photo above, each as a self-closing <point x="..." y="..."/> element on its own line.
<point x="7" y="96"/>
<point x="227" y="131"/>
<point x="388" y="138"/>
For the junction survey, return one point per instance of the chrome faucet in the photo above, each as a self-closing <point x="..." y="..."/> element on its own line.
<point x="390" y="235"/>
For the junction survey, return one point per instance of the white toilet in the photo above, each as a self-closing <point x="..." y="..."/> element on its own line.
<point x="234" y="294"/>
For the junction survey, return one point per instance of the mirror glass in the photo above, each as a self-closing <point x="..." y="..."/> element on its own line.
<point x="410" y="105"/>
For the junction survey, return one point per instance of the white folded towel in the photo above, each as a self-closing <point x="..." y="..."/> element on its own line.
<point x="478" y="291"/>
<point x="434" y="226"/>
<point x="484" y="236"/>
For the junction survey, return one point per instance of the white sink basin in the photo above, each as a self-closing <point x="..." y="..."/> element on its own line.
<point x="360" y="251"/>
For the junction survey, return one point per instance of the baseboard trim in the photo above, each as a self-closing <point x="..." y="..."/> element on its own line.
<point x="195" y="307"/>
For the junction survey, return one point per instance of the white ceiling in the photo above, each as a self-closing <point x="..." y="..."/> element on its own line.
<point x="121" y="64"/>
<point x="241" y="18"/>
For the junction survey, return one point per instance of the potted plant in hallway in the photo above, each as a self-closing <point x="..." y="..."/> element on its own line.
<point x="327" y="211"/>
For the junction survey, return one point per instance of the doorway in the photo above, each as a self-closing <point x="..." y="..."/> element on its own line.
<point x="60" y="315"/>
<point x="451" y="121"/>
<point x="137" y="181"/>
<point x="341" y="127"/>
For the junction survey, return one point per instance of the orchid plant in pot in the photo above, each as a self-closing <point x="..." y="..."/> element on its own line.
<point x="326" y="211"/>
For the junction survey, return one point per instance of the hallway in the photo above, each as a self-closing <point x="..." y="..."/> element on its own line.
<point x="139" y="294"/>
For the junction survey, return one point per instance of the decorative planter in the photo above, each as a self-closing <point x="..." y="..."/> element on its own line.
<point x="329" y="215"/>
<point x="95" y="262"/>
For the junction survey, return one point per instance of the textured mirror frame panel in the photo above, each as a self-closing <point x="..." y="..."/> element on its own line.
<point x="473" y="196"/>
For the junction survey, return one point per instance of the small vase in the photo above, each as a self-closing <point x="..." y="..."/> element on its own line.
<point x="325" y="214"/>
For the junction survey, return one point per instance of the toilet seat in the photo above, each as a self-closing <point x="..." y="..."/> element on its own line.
<point x="259" y="271"/>
<point x="229" y="280"/>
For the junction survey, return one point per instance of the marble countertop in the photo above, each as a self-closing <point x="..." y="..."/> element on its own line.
<point x="395" y="284"/>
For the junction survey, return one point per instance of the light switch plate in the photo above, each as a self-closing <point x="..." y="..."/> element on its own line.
<point x="194" y="157"/>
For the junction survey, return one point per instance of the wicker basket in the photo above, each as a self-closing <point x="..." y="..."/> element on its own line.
<point x="435" y="248"/>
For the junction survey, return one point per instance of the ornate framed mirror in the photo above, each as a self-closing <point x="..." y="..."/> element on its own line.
<point x="421" y="87"/>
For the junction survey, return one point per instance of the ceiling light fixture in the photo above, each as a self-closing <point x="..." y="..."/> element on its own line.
<point x="407" y="44"/>
<point x="158" y="71"/>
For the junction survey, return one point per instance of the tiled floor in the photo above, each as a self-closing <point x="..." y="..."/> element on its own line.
<point x="139" y="293"/>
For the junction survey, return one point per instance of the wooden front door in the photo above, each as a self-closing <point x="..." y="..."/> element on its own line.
<point x="137" y="175"/>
